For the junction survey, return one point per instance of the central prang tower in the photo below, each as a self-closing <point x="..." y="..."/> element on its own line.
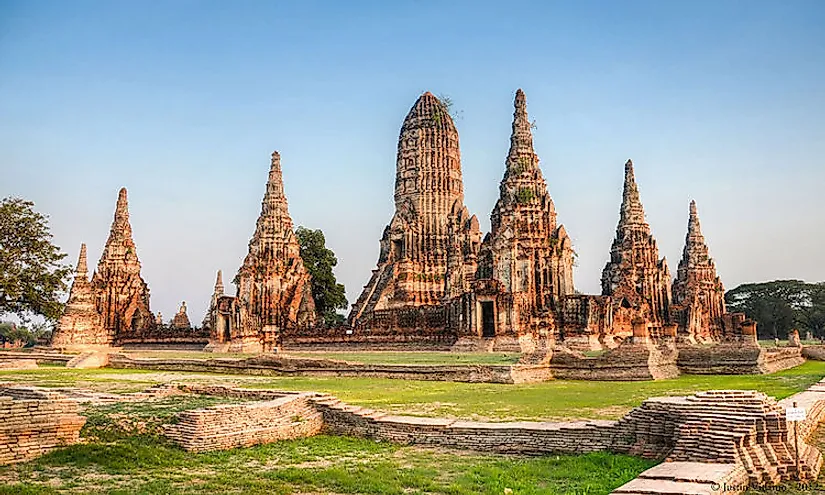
<point x="431" y="225"/>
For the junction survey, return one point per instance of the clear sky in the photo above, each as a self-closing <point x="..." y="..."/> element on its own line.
<point x="182" y="102"/>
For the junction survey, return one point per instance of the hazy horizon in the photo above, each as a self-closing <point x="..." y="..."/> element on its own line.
<point x="182" y="104"/>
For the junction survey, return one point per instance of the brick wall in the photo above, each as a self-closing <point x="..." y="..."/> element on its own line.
<point x="281" y="365"/>
<point x="243" y="425"/>
<point x="518" y="438"/>
<point x="35" y="422"/>
<point x="628" y="362"/>
<point x="737" y="359"/>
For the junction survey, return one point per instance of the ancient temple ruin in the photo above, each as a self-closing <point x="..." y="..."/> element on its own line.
<point x="525" y="263"/>
<point x="121" y="294"/>
<point x="274" y="292"/>
<point x="698" y="293"/>
<point x="635" y="276"/>
<point x="81" y="325"/>
<point x="113" y="309"/>
<point x="430" y="230"/>
<point x="434" y="281"/>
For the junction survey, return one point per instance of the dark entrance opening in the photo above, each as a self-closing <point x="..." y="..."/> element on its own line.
<point x="397" y="248"/>
<point x="488" y="319"/>
<point x="227" y="334"/>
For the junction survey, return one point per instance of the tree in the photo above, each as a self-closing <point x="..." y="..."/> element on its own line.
<point x="16" y="335"/>
<point x="32" y="277"/>
<point x="781" y="306"/>
<point x="328" y="294"/>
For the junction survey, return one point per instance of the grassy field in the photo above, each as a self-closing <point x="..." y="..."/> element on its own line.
<point x="554" y="400"/>
<point x="125" y="455"/>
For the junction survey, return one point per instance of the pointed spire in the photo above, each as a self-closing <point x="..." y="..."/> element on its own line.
<point x="275" y="184"/>
<point x="219" y="284"/>
<point x="122" y="208"/>
<point x="521" y="155"/>
<point x="694" y="228"/>
<point x="82" y="269"/>
<point x="632" y="211"/>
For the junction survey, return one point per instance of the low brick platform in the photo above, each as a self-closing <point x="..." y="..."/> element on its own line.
<point x="279" y="365"/>
<point x="18" y="364"/>
<point x="737" y="359"/>
<point x="628" y="362"/>
<point x="34" y="422"/>
<point x="243" y="425"/>
<point x="514" y="438"/>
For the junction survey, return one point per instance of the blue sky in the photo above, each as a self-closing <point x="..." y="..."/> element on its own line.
<point x="182" y="102"/>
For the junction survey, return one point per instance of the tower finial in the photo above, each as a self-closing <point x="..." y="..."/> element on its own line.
<point x="632" y="211"/>
<point x="81" y="269"/>
<point x="521" y="157"/>
<point x="694" y="228"/>
<point x="219" y="284"/>
<point x="122" y="207"/>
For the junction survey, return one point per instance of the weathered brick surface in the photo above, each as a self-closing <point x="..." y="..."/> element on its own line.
<point x="35" y="422"/>
<point x="520" y="437"/>
<point x="243" y="425"/>
<point x="737" y="359"/>
<point x="628" y="362"/>
<point x="274" y="292"/>
<point x="278" y="365"/>
<point x="18" y="364"/>
<point x="815" y="352"/>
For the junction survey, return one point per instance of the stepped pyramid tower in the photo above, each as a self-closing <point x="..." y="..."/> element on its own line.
<point x="635" y="275"/>
<point x="525" y="250"/>
<point x="698" y="293"/>
<point x="526" y="253"/>
<point x="274" y="288"/>
<point x="430" y="224"/>
<point x="80" y="326"/>
<point x="121" y="295"/>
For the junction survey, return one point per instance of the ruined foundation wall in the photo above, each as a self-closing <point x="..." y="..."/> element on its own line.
<point x="737" y="359"/>
<point x="243" y="425"/>
<point x="35" y="422"/>
<point x="275" y="365"/>
<point x="783" y="359"/>
<point x="513" y="438"/>
<point x="815" y="352"/>
<point x="629" y="362"/>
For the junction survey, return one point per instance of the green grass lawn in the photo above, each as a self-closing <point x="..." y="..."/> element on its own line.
<point x="122" y="458"/>
<point x="554" y="400"/>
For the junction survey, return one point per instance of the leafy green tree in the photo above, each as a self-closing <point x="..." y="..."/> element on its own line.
<point x="32" y="277"/>
<point x="16" y="335"/>
<point x="811" y="314"/>
<point x="780" y="306"/>
<point x="328" y="294"/>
